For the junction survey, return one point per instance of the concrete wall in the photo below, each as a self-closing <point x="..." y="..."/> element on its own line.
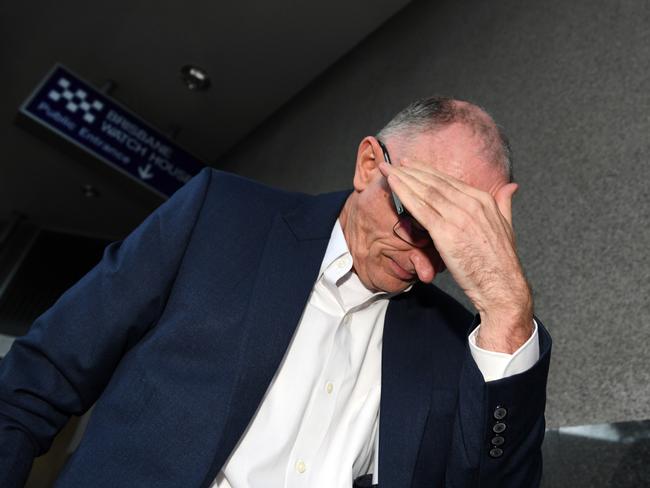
<point x="569" y="82"/>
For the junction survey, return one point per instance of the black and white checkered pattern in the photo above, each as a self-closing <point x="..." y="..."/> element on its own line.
<point x="75" y="100"/>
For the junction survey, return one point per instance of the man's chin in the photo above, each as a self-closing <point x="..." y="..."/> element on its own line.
<point x="434" y="274"/>
<point x="397" y="285"/>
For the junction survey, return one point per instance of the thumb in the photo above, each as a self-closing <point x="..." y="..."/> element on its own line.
<point x="503" y="198"/>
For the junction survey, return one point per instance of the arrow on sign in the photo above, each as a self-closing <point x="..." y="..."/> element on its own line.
<point x="145" y="173"/>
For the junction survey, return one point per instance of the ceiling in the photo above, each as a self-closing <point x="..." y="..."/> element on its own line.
<point x="258" y="55"/>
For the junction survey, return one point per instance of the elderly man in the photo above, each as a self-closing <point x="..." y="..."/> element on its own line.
<point x="246" y="337"/>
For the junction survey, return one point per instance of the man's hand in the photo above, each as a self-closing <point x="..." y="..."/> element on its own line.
<point x="472" y="231"/>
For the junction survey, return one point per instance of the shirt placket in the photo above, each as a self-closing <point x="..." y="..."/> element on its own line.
<point x="327" y="393"/>
<point x="321" y="409"/>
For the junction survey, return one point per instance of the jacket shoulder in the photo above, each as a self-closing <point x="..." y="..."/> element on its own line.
<point x="230" y="185"/>
<point x="231" y="197"/>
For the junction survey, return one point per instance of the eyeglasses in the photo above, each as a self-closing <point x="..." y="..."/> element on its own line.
<point x="407" y="228"/>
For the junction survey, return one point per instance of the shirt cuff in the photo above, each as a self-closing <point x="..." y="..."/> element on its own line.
<point x="497" y="365"/>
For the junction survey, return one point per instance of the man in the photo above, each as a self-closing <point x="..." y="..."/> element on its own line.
<point x="244" y="337"/>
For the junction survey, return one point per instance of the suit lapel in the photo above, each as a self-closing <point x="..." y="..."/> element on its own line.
<point x="405" y="389"/>
<point x="286" y="274"/>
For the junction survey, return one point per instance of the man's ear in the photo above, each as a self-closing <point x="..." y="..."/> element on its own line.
<point x="369" y="155"/>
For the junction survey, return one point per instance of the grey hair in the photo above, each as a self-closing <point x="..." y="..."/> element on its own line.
<point x="429" y="114"/>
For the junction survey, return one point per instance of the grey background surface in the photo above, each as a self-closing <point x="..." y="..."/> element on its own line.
<point x="569" y="82"/>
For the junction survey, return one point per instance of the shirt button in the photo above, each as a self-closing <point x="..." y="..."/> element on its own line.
<point x="342" y="263"/>
<point x="300" y="466"/>
<point x="329" y="387"/>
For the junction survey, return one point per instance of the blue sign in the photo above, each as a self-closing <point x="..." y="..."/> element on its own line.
<point x="70" y="107"/>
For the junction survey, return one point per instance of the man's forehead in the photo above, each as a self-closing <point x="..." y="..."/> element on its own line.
<point x="458" y="151"/>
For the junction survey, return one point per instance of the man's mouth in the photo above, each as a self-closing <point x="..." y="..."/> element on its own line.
<point x="400" y="272"/>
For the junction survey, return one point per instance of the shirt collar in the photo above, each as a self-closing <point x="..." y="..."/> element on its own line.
<point x="336" y="248"/>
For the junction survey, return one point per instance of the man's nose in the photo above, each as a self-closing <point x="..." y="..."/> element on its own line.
<point x="426" y="257"/>
<point x="422" y="265"/>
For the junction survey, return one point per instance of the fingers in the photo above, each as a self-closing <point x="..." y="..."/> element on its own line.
<point x="427" y="190"/>
<point x="432" y="174"/>
<point x="462" y="195"/>
<point x="422" y="191"/>
<point x="426" y="214"/>
<point x="454" y="190"/>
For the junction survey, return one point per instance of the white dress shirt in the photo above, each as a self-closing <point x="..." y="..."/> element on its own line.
<point x="318" y="423"/>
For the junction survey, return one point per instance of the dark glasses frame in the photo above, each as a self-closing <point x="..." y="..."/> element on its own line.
<point x="407" y="227"/>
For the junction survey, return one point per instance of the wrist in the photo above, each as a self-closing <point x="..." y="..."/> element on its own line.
<point x="505" y="330"/>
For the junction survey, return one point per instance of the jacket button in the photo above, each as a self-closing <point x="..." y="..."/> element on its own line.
<point x="499" y="427"/>
<point x="500" y="413"/>
<point x="495" y="452"/>
<point x="497" y="440"/>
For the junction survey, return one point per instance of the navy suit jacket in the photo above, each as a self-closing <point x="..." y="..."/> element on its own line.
<point x="177" y="332"/>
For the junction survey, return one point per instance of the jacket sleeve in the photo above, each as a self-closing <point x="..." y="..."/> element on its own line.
<point x="499" y="426"/>
<point x="61" y="366"/>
